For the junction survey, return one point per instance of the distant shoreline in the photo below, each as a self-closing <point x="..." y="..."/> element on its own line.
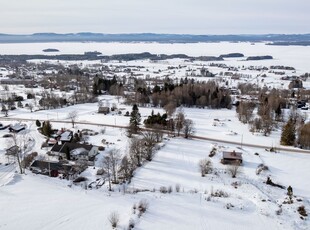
<point x="270" y="39"/>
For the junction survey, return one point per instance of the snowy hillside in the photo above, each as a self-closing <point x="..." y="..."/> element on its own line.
<point x="185" y="183"/>
<point x="245" y="200"/>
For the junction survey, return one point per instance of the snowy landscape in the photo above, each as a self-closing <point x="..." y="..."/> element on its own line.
<point x="184" y="182"/>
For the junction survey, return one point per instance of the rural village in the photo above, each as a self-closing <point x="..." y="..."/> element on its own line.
<point x="213" y="132"/>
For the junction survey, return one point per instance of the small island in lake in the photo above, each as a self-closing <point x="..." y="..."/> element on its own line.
<point x="232" y="55"/>
<point x="256" y="58"/>
<point x="92" y="53"/>
<point x="50" y="50"/>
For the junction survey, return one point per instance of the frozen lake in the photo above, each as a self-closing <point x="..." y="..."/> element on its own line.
<point x="295" y="56"/>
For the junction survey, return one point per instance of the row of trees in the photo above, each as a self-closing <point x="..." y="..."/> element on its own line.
<point x="159" y="123"/>
<point x="102" y="85"/>
<point x="187" y="94"/>
<point x="294" y="132"/>
<point x="52" y="101"/>
<point x="141" y="149"/>
<point x="269" y="111"/>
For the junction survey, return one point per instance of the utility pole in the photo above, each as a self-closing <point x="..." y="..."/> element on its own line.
<point x="49" y="167"/>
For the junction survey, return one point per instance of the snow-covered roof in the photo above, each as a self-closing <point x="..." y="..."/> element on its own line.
<point x="70" y="146"/>
<point x="66" y="136"/>
<point x="232" y="155"/>
<point x="51" y="141"/>
<point x="79" y="151"/>
<point x="18" y="127"/>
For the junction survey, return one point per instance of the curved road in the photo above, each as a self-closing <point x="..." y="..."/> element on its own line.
<point x="286" y="149"/>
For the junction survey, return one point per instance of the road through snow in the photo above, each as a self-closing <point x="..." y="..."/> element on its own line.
<point x="286" y="149"/>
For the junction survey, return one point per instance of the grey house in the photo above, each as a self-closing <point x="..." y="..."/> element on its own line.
<point x="75" y="150"/>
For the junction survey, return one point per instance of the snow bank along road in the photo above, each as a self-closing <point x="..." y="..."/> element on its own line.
<point x="286" y="149"/>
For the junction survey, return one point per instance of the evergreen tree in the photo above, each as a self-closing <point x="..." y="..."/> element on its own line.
<point x="288" y="135"/>
<point x="38" y="123"/>
<point x="135" y="119"/>
<point x="47" y="128"/>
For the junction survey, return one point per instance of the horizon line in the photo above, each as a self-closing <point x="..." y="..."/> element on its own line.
<point x="153" y="33"/>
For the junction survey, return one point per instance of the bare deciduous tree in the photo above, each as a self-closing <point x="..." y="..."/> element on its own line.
<point x="4" y="110"/>
<point x="179" y="121"/>
<point x="30" y="107"/>
<point x="157" y="129"/>
<point x="233" y="169"/>
<point x="245" y="111"/>
<point x="126" y="169"/>
<point x="149" y="139"/>
<point x="170" y="108"/>
<point x="136" y="151"/>
<point x="73" y="115"/>
<point x="205" y="167"/>
<point x="188" y="128"/>
<point x="115" y="158"/>
<point x="21" y="141"/>
<point x="110" y="166"/>
<point x="114" y="219"/>
<point x="107" y="167"/>
<point x="100" y="103"/>
<point x="303" y="137"/>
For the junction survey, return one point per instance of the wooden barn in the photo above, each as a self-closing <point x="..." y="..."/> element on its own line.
<point x="231" y="157"/>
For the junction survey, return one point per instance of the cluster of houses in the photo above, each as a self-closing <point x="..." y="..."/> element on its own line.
<point x="82" y="155"/>
<point x="16" y="128"/>
<point x="66" y="151"/>
<point x="73" y="158"/>
<point x="74" y="151"/>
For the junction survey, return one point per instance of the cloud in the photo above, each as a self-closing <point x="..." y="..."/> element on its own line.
<point x="161" y="16"/>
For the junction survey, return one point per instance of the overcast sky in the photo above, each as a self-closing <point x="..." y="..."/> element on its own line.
<point x="156" y="16"/>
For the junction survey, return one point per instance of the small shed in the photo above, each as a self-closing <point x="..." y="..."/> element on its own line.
<point x="17" y="128"/>
<point x="104" y="110"/>
<point x="232" y="157"/>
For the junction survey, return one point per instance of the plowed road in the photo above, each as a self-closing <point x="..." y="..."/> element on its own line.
<point x="296" y="150"/>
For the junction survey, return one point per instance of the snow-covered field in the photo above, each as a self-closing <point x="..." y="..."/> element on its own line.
<point x="34" y="201"/>
<point x="38" y="202"/>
